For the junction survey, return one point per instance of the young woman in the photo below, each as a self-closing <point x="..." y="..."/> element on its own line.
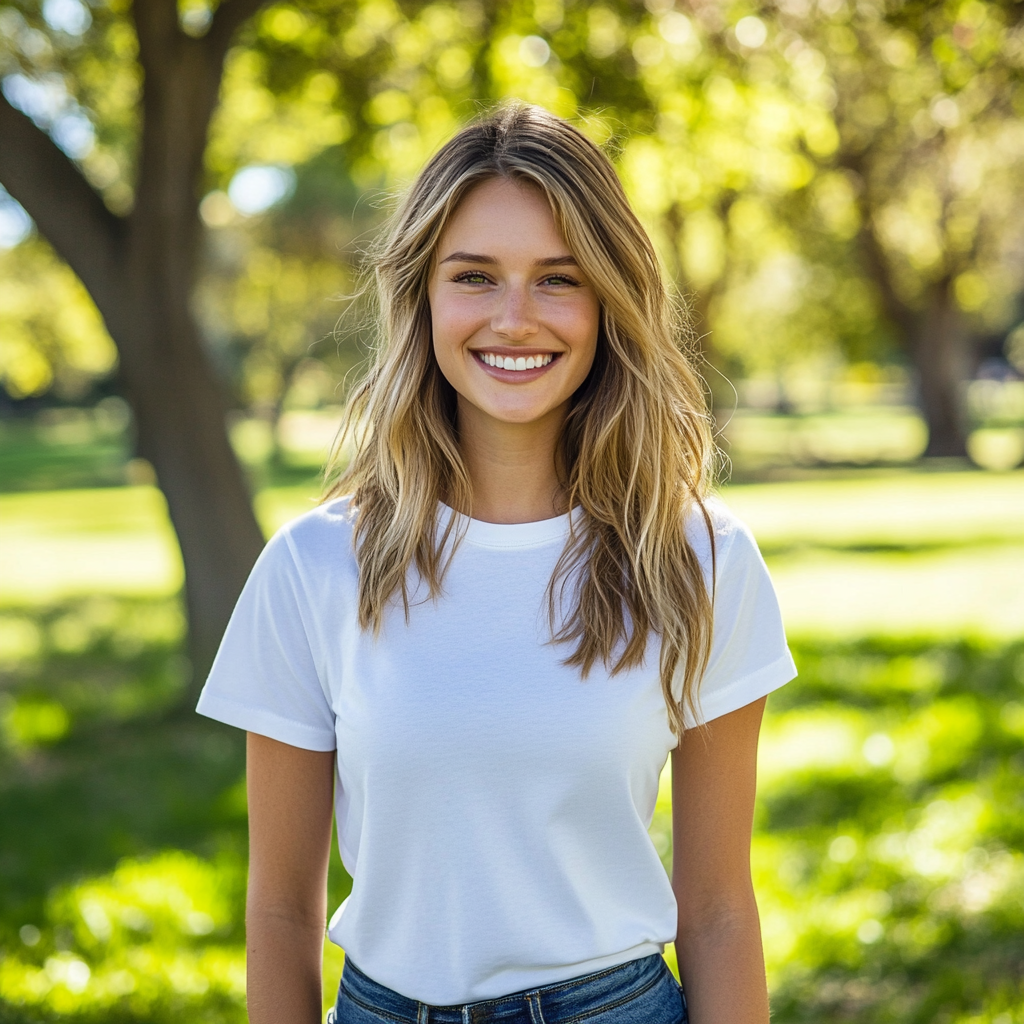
<point x="513" y="607"/>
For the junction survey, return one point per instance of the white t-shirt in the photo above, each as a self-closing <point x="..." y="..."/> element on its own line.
<point x="492" y="805"/>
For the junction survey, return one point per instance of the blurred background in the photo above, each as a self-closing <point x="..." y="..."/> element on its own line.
<point x="836" y="187"/>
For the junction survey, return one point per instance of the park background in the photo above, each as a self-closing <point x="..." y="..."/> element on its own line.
<point x="836" y="189"/>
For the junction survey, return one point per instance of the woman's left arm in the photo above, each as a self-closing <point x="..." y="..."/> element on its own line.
<point x="718" y="943"/>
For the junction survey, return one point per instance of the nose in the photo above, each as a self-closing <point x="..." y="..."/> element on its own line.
<point x="514" y="317"/>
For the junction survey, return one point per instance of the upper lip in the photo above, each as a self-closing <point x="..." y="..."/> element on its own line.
<point x="515" y="351"/>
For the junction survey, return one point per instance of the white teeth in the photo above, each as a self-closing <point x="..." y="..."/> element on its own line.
<point x="520" y="363"/>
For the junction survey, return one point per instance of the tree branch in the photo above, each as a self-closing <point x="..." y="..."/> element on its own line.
<point x="67" y="210"/>
<point x="156" y="26"/>
<point x="899" y="313"/>
<point x="227" y="19"/>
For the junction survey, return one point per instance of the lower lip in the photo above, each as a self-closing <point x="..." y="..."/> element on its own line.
<point x="515" y="376"/>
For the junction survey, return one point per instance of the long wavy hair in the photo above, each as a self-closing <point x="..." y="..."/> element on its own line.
<point x="636" y="450"/>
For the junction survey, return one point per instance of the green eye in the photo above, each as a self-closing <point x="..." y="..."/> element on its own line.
<point x="471" y="277"/>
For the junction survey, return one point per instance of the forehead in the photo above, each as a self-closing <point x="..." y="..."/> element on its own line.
<point x="500" y="212"/>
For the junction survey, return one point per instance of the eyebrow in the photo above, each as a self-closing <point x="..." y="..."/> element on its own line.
<point x="472" y="257"/>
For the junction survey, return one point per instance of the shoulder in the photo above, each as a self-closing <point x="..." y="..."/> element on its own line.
<point x="313" y="548"/>
<point x="716" y="535"/>
<point x="326" y="528"/>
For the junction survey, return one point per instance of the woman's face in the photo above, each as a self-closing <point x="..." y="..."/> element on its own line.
<point x="515" y="321"/>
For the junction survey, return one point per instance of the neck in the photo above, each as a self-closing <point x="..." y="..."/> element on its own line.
<point x="512" y="467"/>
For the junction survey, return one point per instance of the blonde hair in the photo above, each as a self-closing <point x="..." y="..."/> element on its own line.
<point x="636" y="448"/>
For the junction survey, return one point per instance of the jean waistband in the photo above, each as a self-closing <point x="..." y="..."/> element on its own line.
<point x="574" y="998"/>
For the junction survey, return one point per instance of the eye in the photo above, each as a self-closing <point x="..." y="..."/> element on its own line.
<point x="471" y="277"/>
<point x="561" y="281"/>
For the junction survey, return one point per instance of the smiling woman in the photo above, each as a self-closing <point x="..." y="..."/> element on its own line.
<point x="496" y="629"/>
<point x="511" y="308"/>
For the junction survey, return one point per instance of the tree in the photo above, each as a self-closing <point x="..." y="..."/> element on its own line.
<point x="928" y="99"/>
<point x="139" y="266"/>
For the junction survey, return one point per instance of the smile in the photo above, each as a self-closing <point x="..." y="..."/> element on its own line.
<point x="517" y="364"/>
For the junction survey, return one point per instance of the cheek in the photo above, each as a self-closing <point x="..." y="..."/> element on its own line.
<point x="452" y="324"/>
<point x="582" y="326"/>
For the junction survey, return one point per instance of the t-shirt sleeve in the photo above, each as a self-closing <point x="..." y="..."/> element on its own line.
<point x="264" y="678"/>
<point x="749" y="654"/>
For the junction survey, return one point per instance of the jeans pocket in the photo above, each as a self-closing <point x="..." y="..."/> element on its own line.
<point x="349" y="1010"/>
<point x="659" y="1003"/>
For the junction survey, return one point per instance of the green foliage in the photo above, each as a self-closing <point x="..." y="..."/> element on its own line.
<point x="50" y="333"/>
<point x="927" y="96"/>
<point x="814" y="170"/>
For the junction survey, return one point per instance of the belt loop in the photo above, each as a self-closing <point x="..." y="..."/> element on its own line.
<point x="533" y="1001"/>
<point x="467" y="1015"/>
<point x="422" y="1014"/>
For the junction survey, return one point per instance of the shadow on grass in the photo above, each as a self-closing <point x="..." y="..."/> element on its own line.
<point x="94" y="768"/>
<point x="123" y="844"/>
<point x="892" y="833"/>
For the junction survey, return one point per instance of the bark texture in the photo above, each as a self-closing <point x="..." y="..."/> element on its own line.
<point x="140" y="271"/>
<point x="935" y="336"/>
<point x="941" y="350"/>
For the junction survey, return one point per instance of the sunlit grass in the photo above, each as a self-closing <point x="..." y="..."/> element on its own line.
<point x="157" y="939"/>
<point x="59" y="544"/>
<point x="914" y="552"/>
<point x="890" y="510"/>
<point x="872" y="434"/>
<point x="950" y="590"/>
<point x="888" y="852"/>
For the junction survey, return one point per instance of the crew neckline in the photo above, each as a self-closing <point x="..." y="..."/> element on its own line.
<point x="513" y="535"/>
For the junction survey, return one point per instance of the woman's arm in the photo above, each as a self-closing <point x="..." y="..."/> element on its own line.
<point x="721" y="963"/>
<point x="290" y="805"/>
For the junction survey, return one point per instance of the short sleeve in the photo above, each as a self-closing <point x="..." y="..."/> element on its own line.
<point x="749" y="654"/>
<point x="264" y="678"/>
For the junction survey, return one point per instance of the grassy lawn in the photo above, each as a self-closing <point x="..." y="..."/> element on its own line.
<point x="889" y="854"/>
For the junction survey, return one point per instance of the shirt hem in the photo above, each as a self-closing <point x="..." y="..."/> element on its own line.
<point x="483" y="992"/>
<point x="745" y="690"/>
<point x="265" y="723"/>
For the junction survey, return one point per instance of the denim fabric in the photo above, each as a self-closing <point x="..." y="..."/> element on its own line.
<point x="638" y="992"/>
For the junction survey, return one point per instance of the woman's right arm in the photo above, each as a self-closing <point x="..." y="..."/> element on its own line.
<point x="291" y="800"/>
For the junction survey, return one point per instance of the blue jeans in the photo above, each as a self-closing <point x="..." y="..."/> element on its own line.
<point x="638" y="992"/>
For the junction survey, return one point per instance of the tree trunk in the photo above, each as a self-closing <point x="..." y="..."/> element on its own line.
<point x="179" y="407"/>
<point x="937" y="341"/>
<point x="940" y="349"/>
<point x="180" y="419"/>
<point x="140" y="271"/>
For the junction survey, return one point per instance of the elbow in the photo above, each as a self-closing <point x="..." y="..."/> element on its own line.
<point x="718" y="918"/>
<point x="276" y="906"/>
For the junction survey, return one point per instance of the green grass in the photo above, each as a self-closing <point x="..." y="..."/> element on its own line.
<point x="889" y="854"/>
<point x="117" y="807"/>
<point x="889" y="848"/>
<point x="73" y="449"/>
